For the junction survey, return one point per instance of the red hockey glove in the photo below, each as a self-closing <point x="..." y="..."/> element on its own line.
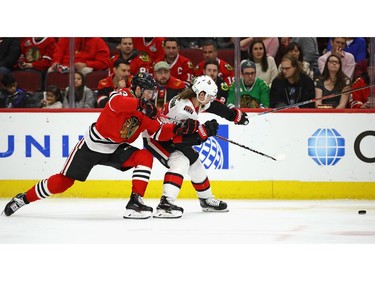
<point x="148" y="108"/>
<point x="189" y="126"/>
<point x="240" y="118"/>
<point x="208" y="129"/>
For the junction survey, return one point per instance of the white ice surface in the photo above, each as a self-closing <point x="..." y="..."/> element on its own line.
<point x="273" y="239"/>
<point x="248" y="221"/>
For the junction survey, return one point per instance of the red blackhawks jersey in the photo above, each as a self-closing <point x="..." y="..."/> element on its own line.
<point x="181" y="68"/>
<point x="122" y="122"/>
<point x="140" y="63"/>
<point x="226" y="71"/>
<point x="39" y="53"/>
<point x="93" y="51"/>
<point x="154" y="48"/>
<point x="360" y="97"/>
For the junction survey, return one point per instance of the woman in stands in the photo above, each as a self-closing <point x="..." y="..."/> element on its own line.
<point x="83" y="96"/>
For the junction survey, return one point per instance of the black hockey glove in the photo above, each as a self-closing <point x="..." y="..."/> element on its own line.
<point x="148" y="108"/>
<point x="208" y="129"/>
<point x="189" y="126"/>
<point x="240" y="118"/>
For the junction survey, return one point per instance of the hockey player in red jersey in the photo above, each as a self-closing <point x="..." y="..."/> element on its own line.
<point x="108" y="142"/>
<point x="180" y="157"/>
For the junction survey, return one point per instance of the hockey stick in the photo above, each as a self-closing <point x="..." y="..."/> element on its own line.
<point x="162" y="118"/>
<point x="248" y="148"/>
<point x="314" y="100"/>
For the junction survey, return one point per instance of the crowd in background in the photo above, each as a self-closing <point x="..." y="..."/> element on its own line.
<point x="273" y="71"/>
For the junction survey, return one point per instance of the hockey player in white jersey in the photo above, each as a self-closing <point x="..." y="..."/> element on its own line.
<point x="179" y="155"/>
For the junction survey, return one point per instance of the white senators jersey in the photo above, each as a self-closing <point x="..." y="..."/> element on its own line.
<point x="180" y="109"/>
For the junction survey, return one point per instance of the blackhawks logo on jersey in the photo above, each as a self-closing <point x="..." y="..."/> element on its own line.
<point x="228" y="66"/>
<point x="129" y="128"/>
<point x="144" y="57"/>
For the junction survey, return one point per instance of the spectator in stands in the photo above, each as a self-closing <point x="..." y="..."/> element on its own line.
<point x="254" y="92"/>
<point x="362" y="99"/>
<point x="357" y="46"/>
<point x="53" y="98"/>
<point x="153" y="46"/>
<point x="180" y="67"/>
<point x="209" y="50"/>
<point x="211" y="68"/>
<point x="83" y="96"/>
<point x="10" y="95"/>
<point x="36" y="53"/>
<point x="347" y="59"/>
<point x="90" y="53"/>
<point x="9" y="53"/>
<point x="294" y="49"/>
<point x="266" y="66"/>
<point x="332" y="81"/>
<point x="281" y="51"/>
<point x="361" y="66"/>
<point x="119" y="79"/>
<point x="292" y="85"/>
<point x="167" y="85"/>
<point x="139" y="61"/>
<point x="271" y="44"/>
<point x="310" y="50"/>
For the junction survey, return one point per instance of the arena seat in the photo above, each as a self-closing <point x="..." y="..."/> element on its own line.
<point x="28" y="80"/>
<point x="61" y="80"/>
<point x="93" y="78"/>
<point x="195" y="55"/>
<point x="226" y="55"/>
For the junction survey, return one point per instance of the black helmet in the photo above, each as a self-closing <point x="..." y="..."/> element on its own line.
<point x="144" y="80"/>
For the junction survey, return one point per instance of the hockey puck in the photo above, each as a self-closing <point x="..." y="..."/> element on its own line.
<point x="362" y="212"/>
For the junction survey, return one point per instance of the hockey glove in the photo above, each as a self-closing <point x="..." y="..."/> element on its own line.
<point x="189" y="126"/>
<point x="148" y="108"/>
<point x="240" y="118"/>
<point x="208" y="129"/>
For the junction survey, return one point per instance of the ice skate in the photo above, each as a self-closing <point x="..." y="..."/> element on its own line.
<point x="17" y="202"/>
<point x="167" y="210"/>
<point x="213" y="205"/>
<point x="136" y="209"/>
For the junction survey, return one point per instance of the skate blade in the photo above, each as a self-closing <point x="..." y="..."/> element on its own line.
<point x="161" y="214"/>
<point x="132" y="214"/>
<point x="210" y="210"/>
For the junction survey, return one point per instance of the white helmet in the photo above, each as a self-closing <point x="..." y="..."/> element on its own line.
<point x="205" y="84"/>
